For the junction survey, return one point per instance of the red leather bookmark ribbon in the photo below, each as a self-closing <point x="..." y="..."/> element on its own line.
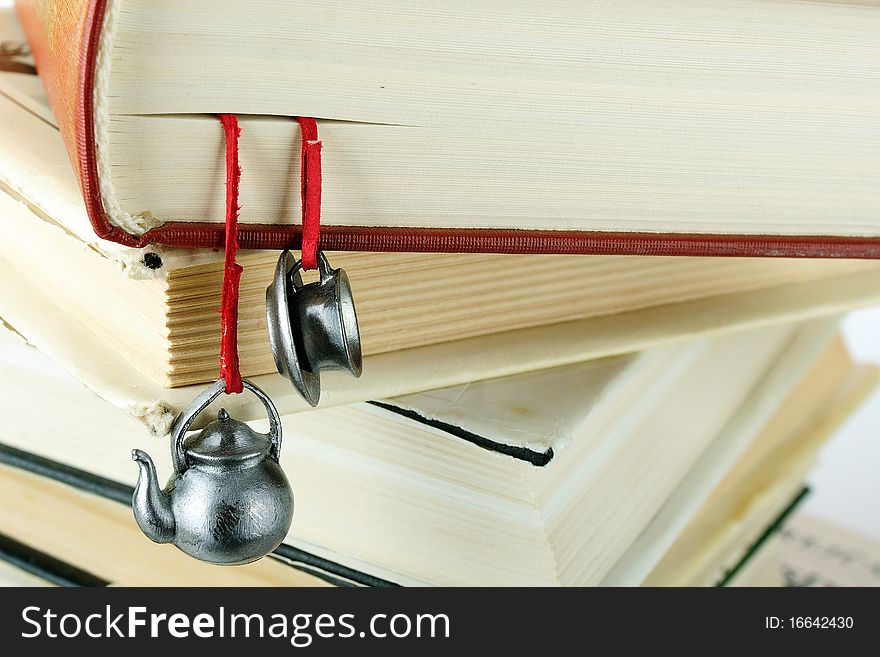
<point x="311" y="229"/>
<point x="229" y="367"/>
<point x="311" y="191"/>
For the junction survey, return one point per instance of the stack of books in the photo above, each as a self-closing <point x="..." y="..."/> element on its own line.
<point x="522" y="419"/>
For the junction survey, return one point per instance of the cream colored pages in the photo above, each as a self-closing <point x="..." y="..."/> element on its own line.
<point x="797" y="171"/>
<point x="78" y="350"/>
<point x="728" y="447"/>
<point x="169" y="328"/>
<point x="449" y="62"/>
<point x="624" y="468"/>
<point x="726" y="116"/>
<point x="768" y="477"/>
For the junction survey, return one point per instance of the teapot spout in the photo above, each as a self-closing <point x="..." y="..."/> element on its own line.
<point x="152" y="506"/>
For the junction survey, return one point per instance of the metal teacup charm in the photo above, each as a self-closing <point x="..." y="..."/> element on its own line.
<point x="228" y="501"/>
<point x="312" y="327"/>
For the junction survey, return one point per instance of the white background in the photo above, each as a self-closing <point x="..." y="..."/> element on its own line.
<point x="846" y="481"/>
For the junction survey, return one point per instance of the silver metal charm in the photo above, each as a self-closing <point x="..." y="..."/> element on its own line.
<point x="312" y="327"/>
<point x="228" y="501"/>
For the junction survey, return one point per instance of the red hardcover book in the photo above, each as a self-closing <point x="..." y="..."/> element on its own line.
<point x="727" y="130"/>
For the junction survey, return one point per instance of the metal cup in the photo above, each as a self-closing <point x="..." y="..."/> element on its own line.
<point x="312" y="327"/>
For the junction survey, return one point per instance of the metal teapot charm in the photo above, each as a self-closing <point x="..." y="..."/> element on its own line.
<point x="228" y="501"/>
<point x="312" y="327"/>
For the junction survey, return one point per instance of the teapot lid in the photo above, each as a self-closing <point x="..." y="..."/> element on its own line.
<point x="226" y="439"/>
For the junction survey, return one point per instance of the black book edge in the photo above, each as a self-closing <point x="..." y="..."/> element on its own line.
<point x="532" y="456"/>
<point x="768" y="533"/>
<point x="325" y="569"/>
<point x="45" y="566"/>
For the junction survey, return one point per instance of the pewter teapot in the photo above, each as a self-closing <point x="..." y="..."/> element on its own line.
<point x="228" y="501"/>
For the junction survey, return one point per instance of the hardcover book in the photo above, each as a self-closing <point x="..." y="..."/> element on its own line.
<point x="690" y="128"/>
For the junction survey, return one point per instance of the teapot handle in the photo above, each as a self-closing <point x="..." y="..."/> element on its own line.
<point x="185" y="419"/>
